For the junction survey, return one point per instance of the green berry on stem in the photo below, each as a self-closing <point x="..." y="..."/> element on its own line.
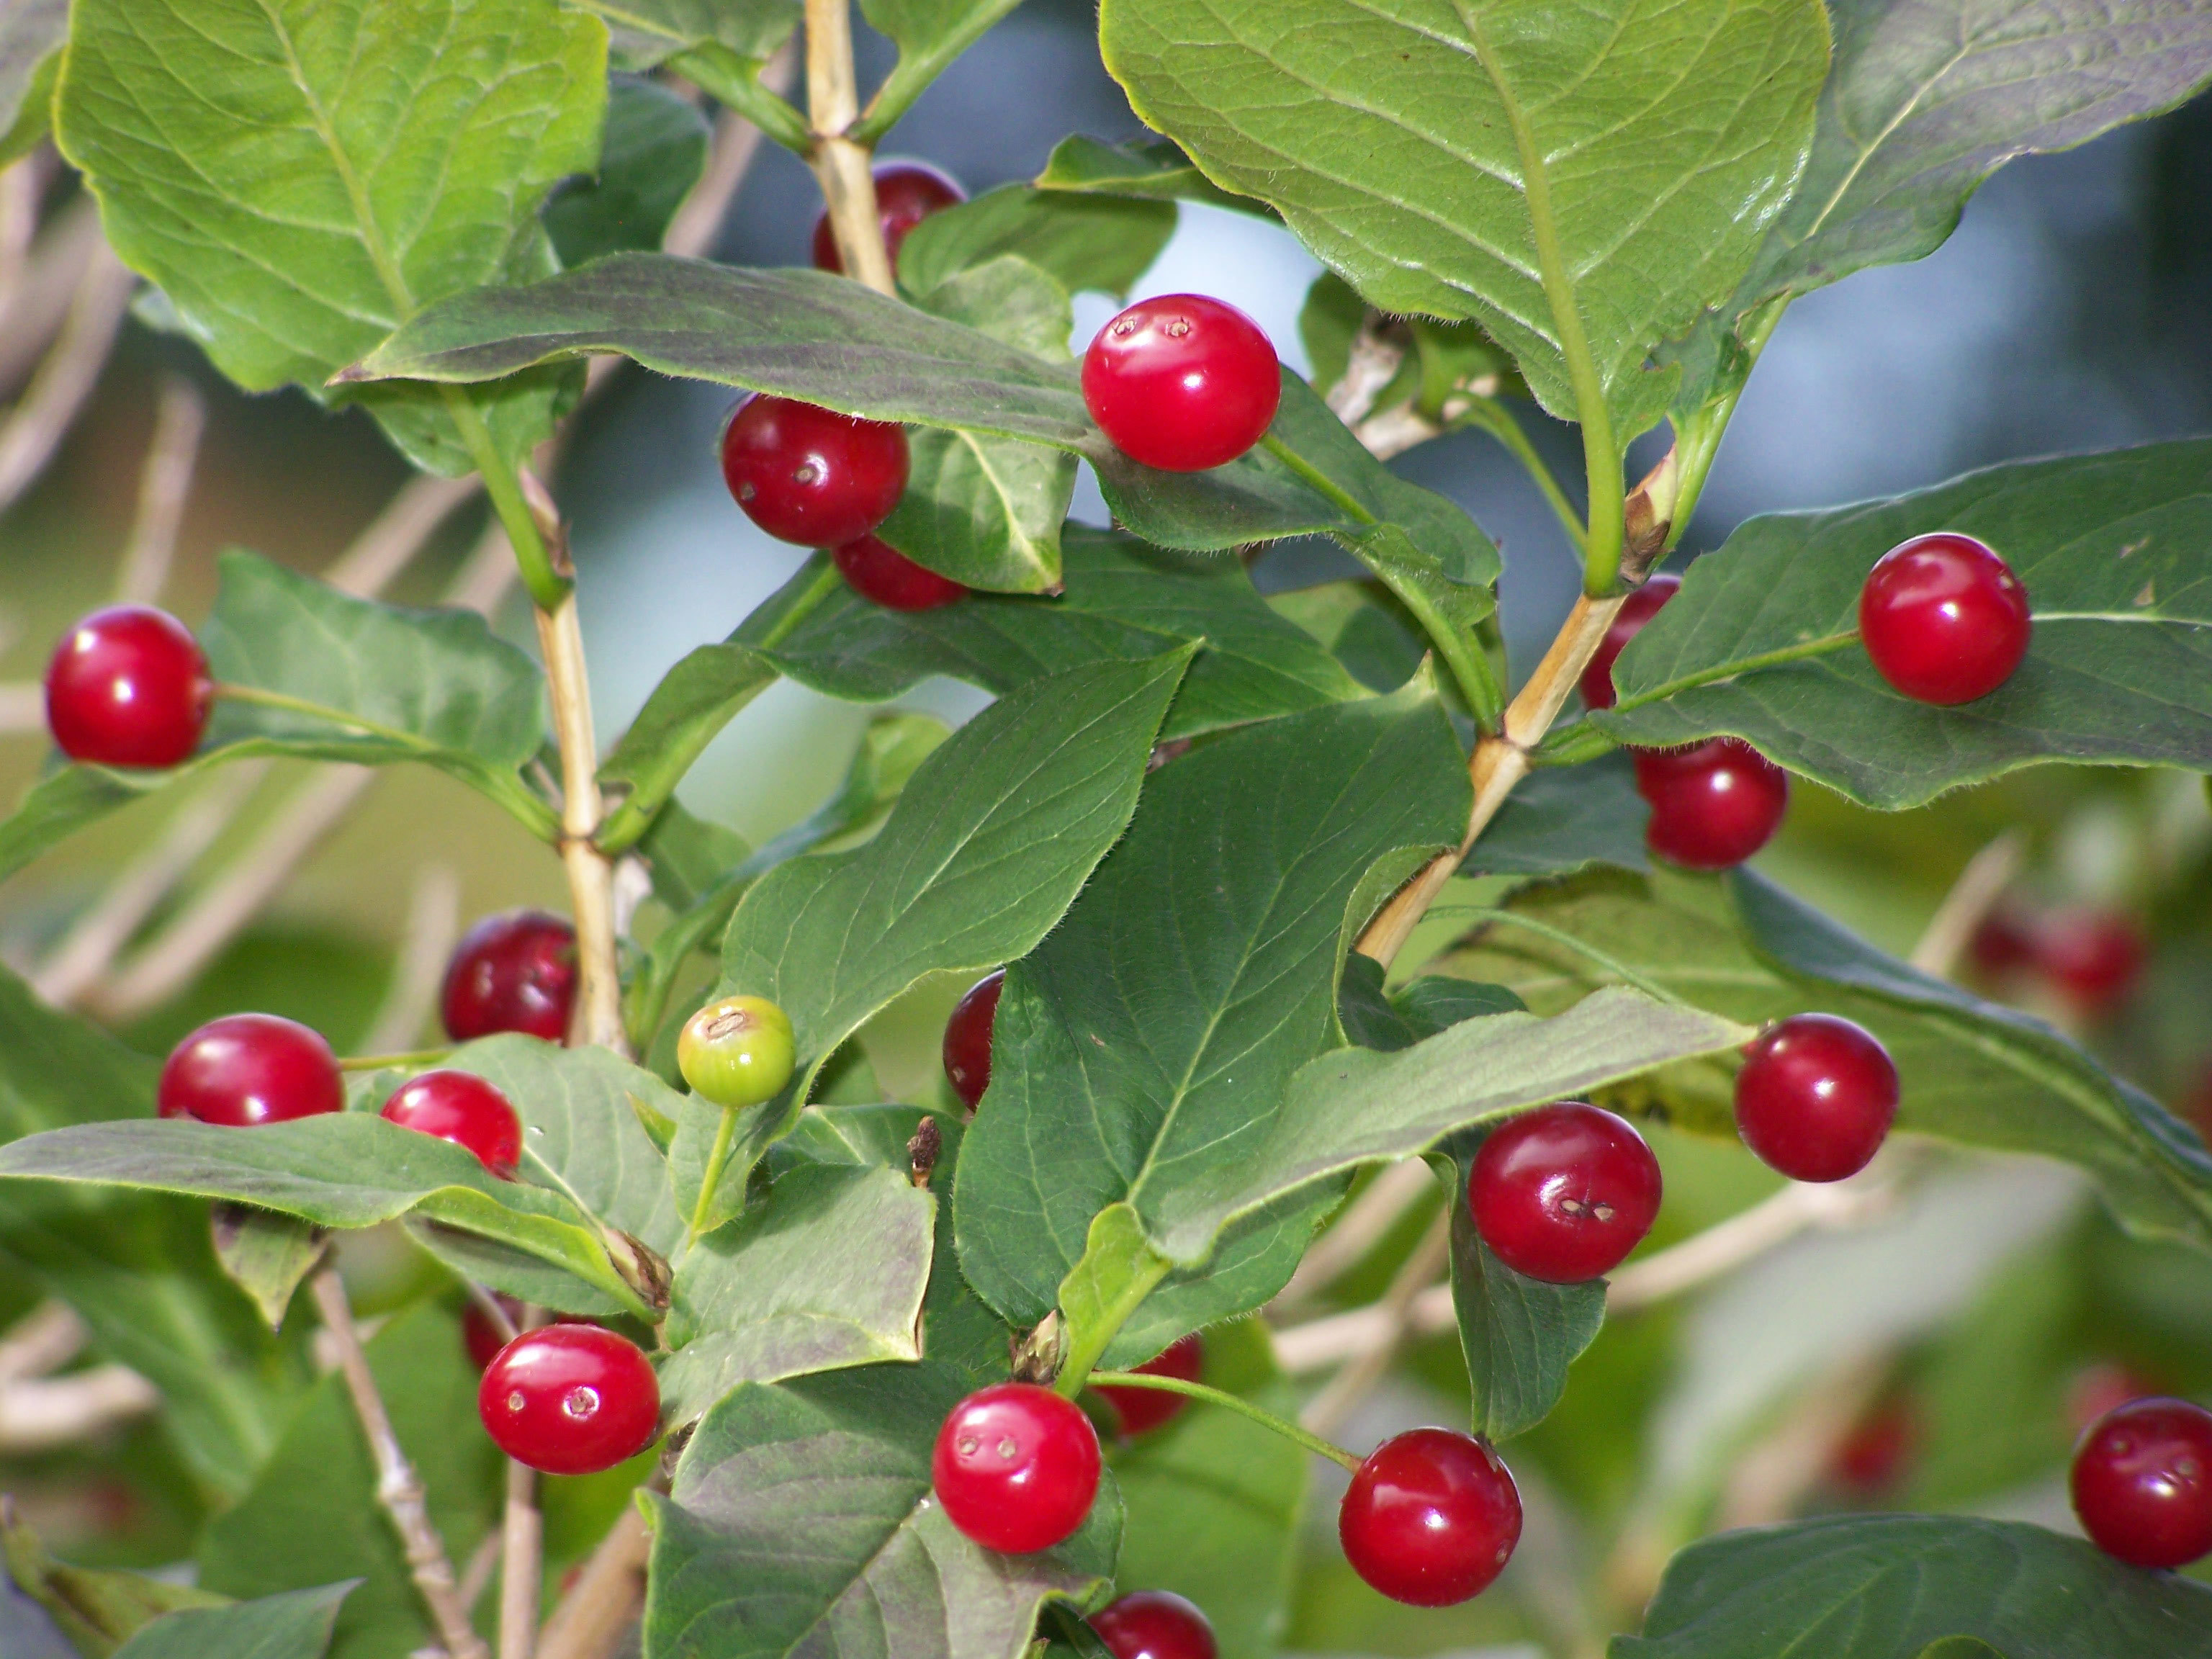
<point x="737" y="1051"/>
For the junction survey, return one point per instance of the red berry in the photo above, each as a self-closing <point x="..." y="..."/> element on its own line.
<point x="808" y="475"/>
<point x="1943" y="618"/>
<point x="462" y="1108"/>
<point x="481" y="1335"/>
<point x="1154" y="1624"/>
<point x="967" y="1038"/>
<point x="1016" y="1467"/>
<point x="2142" y="1483"/>
<point x="1713" y="804"/>
<point x="1431" y="1518"/>
<point x="906" y="192"/>
<point x="128" y="686"/>
<point x="1563" y="1193"/>
<point x="1639" y="608"/>
<point x="513" y="972"/>
<point x="1879" y="1449"/>
<point x="2094" y="957"/>
<point x="1181" y="382"/>
<point x="2003" y="943"/>
<point x="570" y="1400"/>
<point x="877" y="571"/>
<point x="1142" y="1410"/>
<point x="1815" y="1098"/>
<point x="245" y="1070"/>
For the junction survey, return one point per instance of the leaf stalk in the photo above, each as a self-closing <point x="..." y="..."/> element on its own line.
<point x="1290" y="1431"/>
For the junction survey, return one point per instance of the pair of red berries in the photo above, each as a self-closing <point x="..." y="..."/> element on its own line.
<point x="2094" y="957"/>
<point x="2142" y="1482"/>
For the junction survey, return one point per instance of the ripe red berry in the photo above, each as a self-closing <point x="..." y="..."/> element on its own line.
<point x="570" y="1400"/>
<point x="2142" y="1483"/>
<point x="1563" y="1193"/>
<point x="1181" y="382"/>
<point x="482" y="1337"/>
<point x="512" y="972"/>
<point x="245" y="1070"/>
<point x="808" y="475"/>
<point x="1639" y="608"/>
<point x="1142" y="1410"/>
<point x="1016" y="1467"/>
<point x="1713" y="804"/>
<point x="128" y="686"/>
<point x="1154" y="1624"/>
<point x="877" y="571"/>
<point x="1943" y="618"/>
<point x="1815" y="1098"/>
<point x="462" y="1108"/>
<point x="2094" y="957"/>
<point x="2004" y="944"/>
<point x="967" y="1038"/>
<point x="1431" y="1518"/>
<point x="1874" y="1455"/>
<point x="906" y="192"/>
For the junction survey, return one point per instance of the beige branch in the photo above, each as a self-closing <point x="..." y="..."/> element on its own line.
<point x="434" y="922"/>
<point x="22" y="186"/>
<point x="66" y="376"/>
<point x="40" y="1413"/>
<point x="22" y="708"/>
<point x="44" y="1340"/>
<point x="843" y="166"/>
<point x="1328" y="1409"/>
<point x="38" y="306"/>
<point x="164" y="485"/>
<point x="593" y="1616"/>
<point x="395" y="536"/>
<point x="521" y="1573"/>
<point x="1362" y="1226"/>
<point x="1967" y="905"/>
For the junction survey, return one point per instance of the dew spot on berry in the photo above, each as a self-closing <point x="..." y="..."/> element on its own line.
<point x="580" y="1403"/>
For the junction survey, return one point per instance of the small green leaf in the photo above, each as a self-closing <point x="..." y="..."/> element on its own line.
<point x="1360" y="628"/>
<point x="31" y="36"/>
<point x="985" y="511"/>
<point x="688" y="856"/>
<point x="1118" y="1269"/>
<point x="1876" y="1586"/>
<point x="694" y="700"/>
<point x="296" y="1625"/>
<point x="266" y="1254"/>
<point x="1421" y="1008"/>
<point x="98" y="1611"/>
<point x="1156" y="170"/>
<point x="827" y="1272"/>
<point x="655" y="146"/>
<point x="1565" y="818"/>
<point x="1103" y="242"/>
<point x="802" y="1521"/>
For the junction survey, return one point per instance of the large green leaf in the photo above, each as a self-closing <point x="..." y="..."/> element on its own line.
<point x="399" y="155"/>
<point x="981" y="857"/>
<point x="1563" y="818"/>
<point x="1103" y="242"/>
<point x="827" y="1272"/>
<point x="1879" y="1586"/>
<point x="313" y="1515"/>
<point x="1149" y="1039"/>
<point x="1926" y="98"/>
<point x="1583" y="182"/>
<point x="1970" y="1071"/>
<point x="2120" y="669"/>
<point x="295" y="1624"/>
<point x="31" y="35"/>
<point x="801" y="1522"/>
<point x="650" y="158"/>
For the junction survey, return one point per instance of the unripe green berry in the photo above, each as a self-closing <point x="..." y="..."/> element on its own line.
<point x="737" y="1051"/>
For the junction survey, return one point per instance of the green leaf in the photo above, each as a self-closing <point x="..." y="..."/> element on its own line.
<point x="296" y="1625"/>
<point x="96" y="1610"/>
<point x="1156" y="170"/>
<point x="648" y="32"/>
<point x="313" y="1516"/>
<point x="1149" y="1039"/>
<point x="1959" y="1647"/>
<point x="57" y="1069"/>
<point x="1103" y="242"/>
<point x="2118" y="670"/>
<point x="1009" y="299"/>
<point x="694" y="701"/>
<point x="1872" y="1587"/>
<point x="1123" y="601"/>
<point x="1926" y="98"/>
<point x="31" y="36"/>
<point x="1421" y="1008"/>
<point x="1970" y="1071"/>
<point x="688" y="857"/>
<point x="399" y="156"/>
<point x="1583" y="183"/>
<point x="654" y="147"/>
<point x="828" y="1272"/>
<point x="1565" y="818"/>
<point x="1359" y="627"/>
<point x="981" y="855"/>
<point x="985" y="511"/>
<point x="801" y="1521"/>
<point x="265" y="1254"/>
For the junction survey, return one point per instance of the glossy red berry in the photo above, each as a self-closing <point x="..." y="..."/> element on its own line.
<point x="128" y="686"/>
<point x="879" y="572"/>
<point x="808" y="475"/>
<point x="1181" y="382"/>
<point x="570" y="1400"/>
<point x="2142" y="1483"/>
<point x="906" y="192"/>
<point x="513" y="972"/>
<point x="1142" y="1410"/>
<point x="1639" y="608"/>
<point x="1563" y="1193"/>
<point x="1713" y="804"/>
<point x="1431" y="1518"/>
<point x="1016" y="1467"/>
<point x="1815" y="1098"/>
<point x="967" y="1038"/>
<point x="1943" y="618"/>
<point x="1154" y="1624"/>
<point x="462" y="1108"/>
<point x="482" y="1335"/>
<point x="245" y="1070"/>
<point x="2094" y="957"/>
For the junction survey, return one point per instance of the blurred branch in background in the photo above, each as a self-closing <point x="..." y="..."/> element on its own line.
<point x="1967" y="905"/>
<point x="39" y="1410"/>
<point x="1326" y="1412"/>
<point x="434" y="922"/>
<point x="164" y="485"/>
<point x="48" y="281"/>
<point x="66" y="376"/>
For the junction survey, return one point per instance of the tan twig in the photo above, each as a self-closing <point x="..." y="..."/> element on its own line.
<point x="396" y="535"/>
<point x="39" y="1413"/>
<point x="22" y="186"/>
<point x="399" y="1488"/>
<point x="164" y="485"/>
<point x="1362" y="1226"/>
<point x="476" y="1578"/>
<point x="1376" y="355"/>
<point x="1967" y="905"/>
<point x="521" y="1582"/>
<point x="434" y="922"/>
<point x="44" y="1340"/>
<point x="1328" y="1409"/>
<point x="1771" y="1479"/>
<point x="691" y="232"/>
<point x="66" y="376"/>
<point x="592" y="1616"/>
<point x="1721" y="1248"/>
<point x="47" y="286"/>
<point x="22" y="708"/>
<point x="842" y="166"/>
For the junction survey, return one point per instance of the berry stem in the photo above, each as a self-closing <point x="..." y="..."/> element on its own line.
<point x="1290" y="1431"/>
<point x="414" y="1059"/>
<point x="717" y="1156"/>
<point x="1698" y="436"/>
<point x="1729" y="670"/>
<point x="842" y="162"/>
<point x="1620" y="970"/>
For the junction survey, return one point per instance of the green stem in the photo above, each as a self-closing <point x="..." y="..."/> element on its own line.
<point x="1621" y="970"/>
<point x="1493" y="417"/>
<point x="547" y="587"/>
<point x="717" y="1156"/>
<point x="1698" y="436"/>
<point x="1288" y="1431"/>
<point x="1100" y="1330"/>
<point x="1729" y="670"/>
<point x="1338" y="496"/>
<point x="406" y="1062"/>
